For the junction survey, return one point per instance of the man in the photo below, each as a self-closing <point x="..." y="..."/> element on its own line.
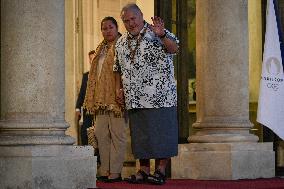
<point x="87" y="118"/>
<point x="144" y="61"/>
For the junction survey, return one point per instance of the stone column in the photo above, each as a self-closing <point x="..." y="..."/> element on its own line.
<point x="222" y="147"/>
<point x="34" y="150"/>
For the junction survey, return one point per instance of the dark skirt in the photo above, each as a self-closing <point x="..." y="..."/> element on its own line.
<point x="154" y="132"/>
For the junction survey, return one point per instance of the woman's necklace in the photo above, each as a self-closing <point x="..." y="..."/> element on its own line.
<point x="138" y="40"/>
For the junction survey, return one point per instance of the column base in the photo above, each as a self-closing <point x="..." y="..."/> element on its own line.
<point x="54" y="166"/>
<point x="224" y="161"/>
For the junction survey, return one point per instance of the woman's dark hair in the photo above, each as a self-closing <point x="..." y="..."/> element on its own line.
<point x="111" y="19"/>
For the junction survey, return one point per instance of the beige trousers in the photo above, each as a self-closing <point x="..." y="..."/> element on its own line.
<point x="111" y="136"/>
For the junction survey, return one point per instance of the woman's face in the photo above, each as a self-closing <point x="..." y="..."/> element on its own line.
<point x="109" y="30"/>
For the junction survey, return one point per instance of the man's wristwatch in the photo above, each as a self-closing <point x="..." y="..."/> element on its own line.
<point x="165" y="35"/>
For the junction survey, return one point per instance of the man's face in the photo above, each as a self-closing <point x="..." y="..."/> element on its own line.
<point x="133" y="21"/>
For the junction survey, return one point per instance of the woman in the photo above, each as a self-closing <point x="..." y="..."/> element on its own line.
<point x="110" y="129"/>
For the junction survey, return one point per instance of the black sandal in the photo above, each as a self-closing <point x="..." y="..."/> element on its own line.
<point x="102" y="178"/>
<point x="158" y="178"/>
<point x="134" y="180"/>
<point x="112" y="180"/>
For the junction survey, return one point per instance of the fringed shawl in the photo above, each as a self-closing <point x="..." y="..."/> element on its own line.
<point x="100" y="93"/>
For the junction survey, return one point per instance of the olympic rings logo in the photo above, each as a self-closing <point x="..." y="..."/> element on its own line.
<point x="274" y="86"/>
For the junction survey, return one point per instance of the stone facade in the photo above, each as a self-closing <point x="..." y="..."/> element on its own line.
<point x="34" y="150"/>
<point x="223" y="148"/>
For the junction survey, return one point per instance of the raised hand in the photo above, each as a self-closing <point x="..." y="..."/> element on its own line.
<point x="158" y="26"/>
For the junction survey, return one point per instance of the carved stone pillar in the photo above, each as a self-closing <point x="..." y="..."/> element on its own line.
<point x="222" y="147"/>
<point x="34" y="150"/>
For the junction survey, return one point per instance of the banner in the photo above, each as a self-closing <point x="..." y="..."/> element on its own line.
<point x="271" y="93"/>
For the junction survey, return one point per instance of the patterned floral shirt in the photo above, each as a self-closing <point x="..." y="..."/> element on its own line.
<point x="148" y="78"/>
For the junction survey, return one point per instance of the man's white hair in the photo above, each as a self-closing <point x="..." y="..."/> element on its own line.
<point x="131" y="6"/>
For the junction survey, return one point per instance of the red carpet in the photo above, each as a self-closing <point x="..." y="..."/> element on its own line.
<point x="274" y="183"/>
